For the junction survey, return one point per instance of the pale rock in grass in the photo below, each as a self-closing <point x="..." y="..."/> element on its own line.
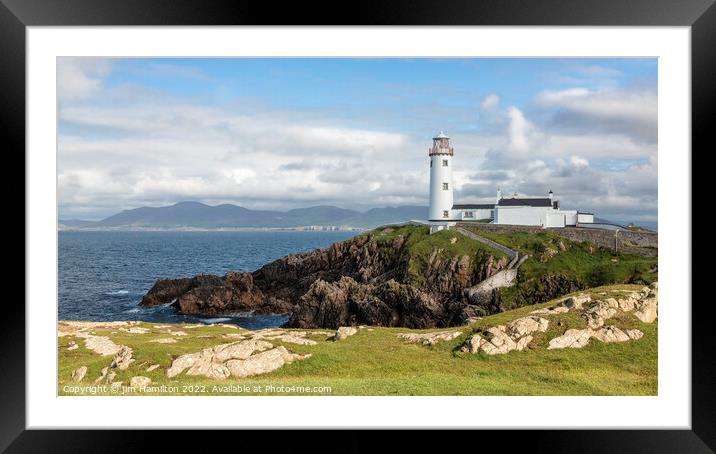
<point x="344" y="332"/>
<point x="598" y="313"/>
<point x="627" y="304"/>
<point x="161" y="326"/>
<point x="634" y="334"/>
<point x="233" y="336"/>
<point x="610" y="334"/>
<point x="79" y="373"/>
<point x="72" y="346"/>
<point x="498" y="342"/>
<point x="647" y="311"/>
<point x="140" y="382"/>
<point x="269" y="332"/>
<point x="654" y="286"/>
<point x="209" y="369"/>
<point x="577" y="301"/>
<point x="430" y="338"/>
<point x="262" y="363"/>
<point x="612" y="303"/>
<point x="152" y="367"/>
<point x="522" y="343"/>
<point x="526" y="325"/>
<point x="239" y="350"/>
<point x="209" y="362"/>
<point x="453" y="240"/>
<point x="551" y="310"/>
<point x="572" y="338"/>
<point x="135" y="330"/>
<point x="178" y="333"/>
<point x="99" y="344"/>
<point x="473" y="343"/>
<point x="164" y="340"/>
<point x="292" y="339"/>
<point x="123" y="358"/>
<point x="181" y="363"/>
<point x="106" y="376"/>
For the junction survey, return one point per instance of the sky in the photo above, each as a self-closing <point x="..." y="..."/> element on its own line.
<point x="289" y="133"/>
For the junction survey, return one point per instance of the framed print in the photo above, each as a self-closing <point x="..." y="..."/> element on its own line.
<point x="433" y="217"/>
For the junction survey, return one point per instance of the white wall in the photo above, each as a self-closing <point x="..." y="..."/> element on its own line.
<point x="477" y="214"/>
<point x="521" y="215"/>
<point x="570" y="217"/>
<point x="585" y="218"/>
<point x="440" y="200"/>
<point x="555" y="220"/>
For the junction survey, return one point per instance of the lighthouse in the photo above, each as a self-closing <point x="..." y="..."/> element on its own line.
<point x="441" y="200"/>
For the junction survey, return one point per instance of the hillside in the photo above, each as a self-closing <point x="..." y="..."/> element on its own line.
<point x="104" y="358"/>
<point x="402" y="276"/>
<point x="199" y="215"/>
<point x="391" y="276"/>
<point x="557" y="265"/>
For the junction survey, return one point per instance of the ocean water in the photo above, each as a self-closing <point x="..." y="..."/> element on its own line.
<point x="103" y="275"/>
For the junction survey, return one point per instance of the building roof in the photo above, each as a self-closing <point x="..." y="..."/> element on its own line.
<point x="474" y="206"/>
<point x="441" y="136"/>
<point x="532" y="202"/>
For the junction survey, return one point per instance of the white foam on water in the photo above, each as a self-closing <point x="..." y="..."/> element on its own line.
<point x="211" y="321"/>
<point x="118" y="292"/>
<point x="132" y="311"/>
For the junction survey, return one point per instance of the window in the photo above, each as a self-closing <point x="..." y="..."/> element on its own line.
<point x="445" y="186"/>
<point x="469" y="214"/>
<point x="445" y="162"/>
<point x="431" y="163"/>
<point x="446" y="214"/>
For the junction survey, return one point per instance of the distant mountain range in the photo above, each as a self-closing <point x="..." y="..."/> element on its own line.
<point x="199" y="215"/>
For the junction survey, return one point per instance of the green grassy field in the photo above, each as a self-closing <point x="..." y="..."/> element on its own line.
<point x="376" y="361"/>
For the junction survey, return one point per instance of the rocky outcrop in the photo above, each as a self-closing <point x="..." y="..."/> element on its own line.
<point x="344" y="332"/>
<point x="501" y="339"/>
<point x="366" y="280"/>
<point x="238" y="359"/>
<point x="572" y="338"/>
<point x="79" y="373"/>
<point x="429" y="338"/>
<point x="517" y="334"/>
<point x="140" y="382"/>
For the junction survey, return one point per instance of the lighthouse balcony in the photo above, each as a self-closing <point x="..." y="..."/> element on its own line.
<point x="440" y="151"/>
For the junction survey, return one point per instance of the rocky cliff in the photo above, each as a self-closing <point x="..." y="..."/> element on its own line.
<point x="388" y="277"/>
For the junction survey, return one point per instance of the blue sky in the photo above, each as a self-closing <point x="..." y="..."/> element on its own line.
<point x="285" y="133"/>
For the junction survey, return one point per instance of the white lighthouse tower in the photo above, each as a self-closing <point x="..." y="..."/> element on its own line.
<point x="441" y="200"/>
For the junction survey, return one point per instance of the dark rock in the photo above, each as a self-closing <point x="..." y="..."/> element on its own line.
<point x="365" y="280"/>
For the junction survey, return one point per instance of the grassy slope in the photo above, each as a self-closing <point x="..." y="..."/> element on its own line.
<point x="377" y="362"/>
<point x="420" y="245"/>
<point x="601" y="266"/>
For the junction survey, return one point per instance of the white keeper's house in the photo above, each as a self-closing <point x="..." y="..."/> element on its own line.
<point x="544" y="212"/>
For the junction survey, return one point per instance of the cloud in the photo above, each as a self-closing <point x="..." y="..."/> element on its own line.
<point x="127" y="146"/>
<point x="631" y="112"/>
<point x="80" y="78"/>
<point x="490" y="102"/>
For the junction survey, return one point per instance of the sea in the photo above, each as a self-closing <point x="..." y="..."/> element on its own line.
<point x="104" y="274"/>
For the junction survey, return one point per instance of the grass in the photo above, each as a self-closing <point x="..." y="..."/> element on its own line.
<point x="377" y="362"/>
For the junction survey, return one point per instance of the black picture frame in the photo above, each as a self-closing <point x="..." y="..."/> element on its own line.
<point x="700" y="15"/>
